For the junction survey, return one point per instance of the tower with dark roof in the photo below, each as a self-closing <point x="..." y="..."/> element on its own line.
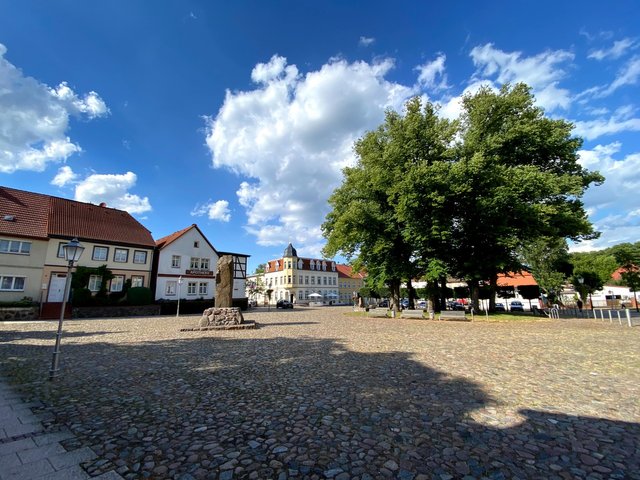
<point x="289" y="252"/>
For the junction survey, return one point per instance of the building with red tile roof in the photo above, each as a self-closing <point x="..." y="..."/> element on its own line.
<point x="33" y="227"/>
<point x="349" y="283"/>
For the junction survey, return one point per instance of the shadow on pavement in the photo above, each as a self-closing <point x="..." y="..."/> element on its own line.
<point x="303" y="408"/>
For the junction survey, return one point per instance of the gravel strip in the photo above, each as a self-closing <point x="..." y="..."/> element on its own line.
<point x="315" y="393"/>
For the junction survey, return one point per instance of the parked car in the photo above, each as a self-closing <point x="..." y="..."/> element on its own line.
<point x="284" y="304"/>
<point x="404" y="303"/>
<point x="383" y="304"/>
<point x="421" y="305"/>
<point x="516" y="306"/>
<point x="500" y="307"/>
<point x="458" y="306"/>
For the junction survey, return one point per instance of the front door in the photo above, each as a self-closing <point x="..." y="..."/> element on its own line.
<point x="56" y="287"/>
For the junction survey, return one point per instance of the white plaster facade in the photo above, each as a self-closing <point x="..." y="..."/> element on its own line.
<point x="186" y="268"/>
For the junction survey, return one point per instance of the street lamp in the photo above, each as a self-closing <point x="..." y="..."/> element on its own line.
<point x="72" y="252"/>
<point x="179" y="294"/>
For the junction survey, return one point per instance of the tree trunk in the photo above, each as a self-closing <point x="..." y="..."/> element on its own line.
<point x="493" y="284"/>
<point x="443" y="293"/>
<point x="411" y="294"/>
<point x="432" y="288"/>
<point x="475" y="294"/>
<point x="394" y="287"/>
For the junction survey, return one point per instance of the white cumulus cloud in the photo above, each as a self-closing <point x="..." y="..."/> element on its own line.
<point x="112" y="189"/>
<point x="34" y="119"/>
<point x="432" y="75"/>
<point x="620" y="121"/>
<point x="366" y="41"/>
<point x="218" y="210"/>
<point x="613" y="206"/>
<point x="542" y="72"/>
<point x="64" y="176"/>
<point x="617" y="50"/>
<point x="292" y="135"/>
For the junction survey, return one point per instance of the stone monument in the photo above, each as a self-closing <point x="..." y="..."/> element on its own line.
<point x="223" y="315"/>
<point x="224" y="282"/>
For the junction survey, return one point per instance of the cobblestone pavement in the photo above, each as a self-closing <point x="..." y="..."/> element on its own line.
<point x="313" y="393"/>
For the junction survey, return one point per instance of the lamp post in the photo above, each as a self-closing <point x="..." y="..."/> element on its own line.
<point x="72" y="252"/>
<point x="179" y="295"/>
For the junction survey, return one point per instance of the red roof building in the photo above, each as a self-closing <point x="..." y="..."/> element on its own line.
<point x="33" y="227"/>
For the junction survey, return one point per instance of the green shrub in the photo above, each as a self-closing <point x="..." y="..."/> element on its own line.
<point x="139" y="296"/>
<point x="24" y="302"/>
<point x="82" y="297"/>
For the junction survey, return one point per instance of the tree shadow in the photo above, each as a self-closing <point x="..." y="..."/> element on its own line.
<point x="12" y="335"/>
<point x="304" y="408"/>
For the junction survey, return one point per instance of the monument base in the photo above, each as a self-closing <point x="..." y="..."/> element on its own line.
<point x="218" y="318"/>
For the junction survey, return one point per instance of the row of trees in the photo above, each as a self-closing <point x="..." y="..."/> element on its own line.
<point x="487" y="193"/>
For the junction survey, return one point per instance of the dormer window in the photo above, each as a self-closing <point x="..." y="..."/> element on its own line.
<point x="266" y="267"/>
<point x="333" y="266"/>
<point x="312" y="265"/>
<point x="299" y="264"/>
<point x="277" y="264"/>
<point x="324" y="266"/>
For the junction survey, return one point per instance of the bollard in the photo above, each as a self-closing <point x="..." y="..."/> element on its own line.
<point x="628" y="316"/>
<point x="610" y="317"/>
<point x="619" y="319"/>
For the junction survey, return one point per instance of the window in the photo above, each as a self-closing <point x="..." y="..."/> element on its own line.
<point x="196" y="244"/>
<point x="312" y="265"/>
<point x="117" y="282"/>
<point x="191" y="288"/>
<point x="195" y="263"/>
<point x="170" y="288"/>
<point x="306" y="279"/>
<point x="100" y="253"/>
<point x="300" y="295"/>
<point x="319" y="280"/>
<point x="15" y="246"/>
<point x="204" y="263"/>
<point x="313" y="280"/>
<point x="175" y="261"/>
<point x="299" y="264"/>
<point x="300" y="279"/>
<point x="288" y="279"/>
<point x="333" y="281"/>
<point x="95" y="282"/>
<point x="137" y="281"/>
<point x="120" y="255"/>
<point x="140" y="256"/>
<point x="204" y="288"/>
<point x="12" y="283"/>
<point x="325" y="280"/>
<point x="61" y="250"/>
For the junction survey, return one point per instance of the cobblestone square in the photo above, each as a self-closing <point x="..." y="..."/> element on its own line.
<point x="315" y="393"/>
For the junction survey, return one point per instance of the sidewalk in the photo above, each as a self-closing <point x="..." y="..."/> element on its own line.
<point x="28" y="452"/>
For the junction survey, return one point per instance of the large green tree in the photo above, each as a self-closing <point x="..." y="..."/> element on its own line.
<point x="365" y="224"/>
<point x="516" y="178"/>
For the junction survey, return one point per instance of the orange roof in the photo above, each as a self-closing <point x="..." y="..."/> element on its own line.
<point x="346" y="271"/>
<point x="43" y="216"/>
<point x="516" y="279"/>
<point x="26" y="213"/>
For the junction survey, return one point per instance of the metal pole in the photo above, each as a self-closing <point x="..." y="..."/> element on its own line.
<point x="628" y="316"/>
<point x="179" y="294"/>
<point x="53" y="372"/>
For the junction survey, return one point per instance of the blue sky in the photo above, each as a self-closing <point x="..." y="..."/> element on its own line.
<point x="239" y="116"/>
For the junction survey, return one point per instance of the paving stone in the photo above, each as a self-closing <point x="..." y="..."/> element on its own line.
<point x="28" y="471"/>
<point x="315" y="391"/>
